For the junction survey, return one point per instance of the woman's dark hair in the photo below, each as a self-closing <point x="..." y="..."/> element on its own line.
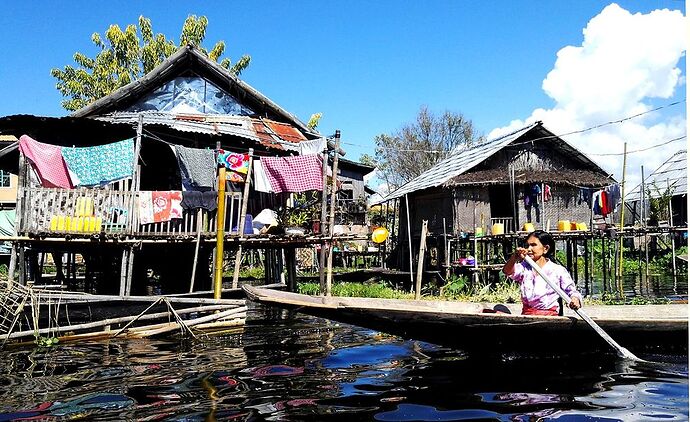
<point x="546" y="239"/>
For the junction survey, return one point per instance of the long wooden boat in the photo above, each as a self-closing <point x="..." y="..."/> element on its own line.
<point x="496" y="327"/>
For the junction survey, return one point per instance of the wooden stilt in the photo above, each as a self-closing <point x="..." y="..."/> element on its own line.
<point x="291" y="263"/>
<point x="420" y="261"/>
<point x="243" y="217"/>
<point x="587" y="272"/>
<point x="331" y="217"/>
<point x="220" y="235"/>
<point x="22" y="266"/>
<point x="199" y="227"/>
<point x="324" y="228"/>
<point x="409" y="236"/>
<point x="123" y="272"/>
<point x="130" y="272"/>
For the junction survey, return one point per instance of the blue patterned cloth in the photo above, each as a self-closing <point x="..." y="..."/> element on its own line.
<point x="90" y="166"/>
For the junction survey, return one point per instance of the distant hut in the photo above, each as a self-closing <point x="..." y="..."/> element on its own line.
<point x="530" y="175"/>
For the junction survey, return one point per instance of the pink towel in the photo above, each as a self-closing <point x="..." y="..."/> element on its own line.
<point x="294" y="174"/>
<point x="48" y="161"/>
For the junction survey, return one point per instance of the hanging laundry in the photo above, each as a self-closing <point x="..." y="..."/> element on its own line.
<point x="101" y="164"/>
<point x="605" y="210"/>
<point x="316" y="146"/>
<point x="261" y="182"/>
<point x="236" y="163"/>
<point x="197" y="167"/>
<point x="159" y="206"/>
<point x="613" y="194"/>
<point x="596" y="198"/>
<point x="48" y="162"/>
<point x="547" y="193"/>
<point x="294" y="174"/>
<point x="207" y="200"/>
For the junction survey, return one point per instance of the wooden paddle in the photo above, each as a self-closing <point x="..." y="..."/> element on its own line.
<point x="620" y="350"/>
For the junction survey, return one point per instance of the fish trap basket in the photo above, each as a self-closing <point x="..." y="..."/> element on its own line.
<point x="13" y="297"/>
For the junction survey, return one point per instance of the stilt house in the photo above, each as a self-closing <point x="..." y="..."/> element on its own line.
<point x="530" y="175"/>
<point x="670" y="181"/>
<point x="190" y="102"/>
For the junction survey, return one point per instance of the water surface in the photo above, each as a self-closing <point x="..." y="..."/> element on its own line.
<point x="288" y="366"/>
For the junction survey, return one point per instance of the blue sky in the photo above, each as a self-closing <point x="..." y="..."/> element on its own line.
<point x="367" y="66"/>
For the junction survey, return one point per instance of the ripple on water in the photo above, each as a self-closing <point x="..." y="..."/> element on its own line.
<point x="289" y="366"/>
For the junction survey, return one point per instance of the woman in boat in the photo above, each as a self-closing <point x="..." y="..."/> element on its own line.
<point x="537" y="297"/>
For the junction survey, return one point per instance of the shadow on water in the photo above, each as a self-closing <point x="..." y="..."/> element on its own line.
<point x="289" y="366"/>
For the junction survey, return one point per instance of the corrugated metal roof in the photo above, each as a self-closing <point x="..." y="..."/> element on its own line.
<point x="673" y="173"/>
<point x="286" y="131"/>
<point x="458" y="162"/>
<point x="266" y="132"/>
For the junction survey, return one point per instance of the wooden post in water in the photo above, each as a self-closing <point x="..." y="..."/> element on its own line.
<point x="331" y="217"/>
<point x="409" y="236"/>
<point x="587" y="273"/>
<point x="199" y="227"/>
<point x="123" y="272"/>
<point x="620" y="241"/>
<point x="135" y="173"/>
<point x="324" y="229"/>
<point x="643" y="209"/>
<point x="220" y="235"/>
<point x="420" y="261"/>
<point x="243" y="218"/>
<point x="19" y="211"/>
<point x="671" y="231"/>
<point x="604" y="264"/>
<point x="291" y="263"/>
<point x="130" y="271"/>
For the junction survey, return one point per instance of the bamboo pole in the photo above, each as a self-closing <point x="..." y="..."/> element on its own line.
<point x="123" y="272"/>
<point x="643" y="209"/>
<point x="112" y="321"/>
<point x="324" y="211"/>
<point x="130" y="271"/>
<point x="135" y="173"/>
<point x="620" y="240"/>
<point x="409" y="236"/>
<point x="199" y="223"/>
<point x="670" y="224"/>
<point x="243" y="218"/>
<point x="420" y="261"/>
<point x="220" y="235"/>
<point x="331" y="222"/>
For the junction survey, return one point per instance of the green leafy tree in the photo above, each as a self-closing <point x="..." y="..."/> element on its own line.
<point x="416" y="146"/>
<point x="127" y="55"/>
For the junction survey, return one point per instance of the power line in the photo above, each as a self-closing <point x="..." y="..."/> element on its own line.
<point x="575" y="132"/>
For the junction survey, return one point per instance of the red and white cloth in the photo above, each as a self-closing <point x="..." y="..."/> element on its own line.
<point x="159" y="206"/>
<point x="48" y="161"/>
<point x="294" y="174"/>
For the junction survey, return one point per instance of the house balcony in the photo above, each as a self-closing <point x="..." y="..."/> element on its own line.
<point x="86" y="212"/>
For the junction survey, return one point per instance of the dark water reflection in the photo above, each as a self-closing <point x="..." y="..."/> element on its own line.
<point x="294" y="367"/>
<point x="654" y="286"/>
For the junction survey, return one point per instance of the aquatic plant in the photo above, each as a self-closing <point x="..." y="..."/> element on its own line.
<point x="348" y="289"/>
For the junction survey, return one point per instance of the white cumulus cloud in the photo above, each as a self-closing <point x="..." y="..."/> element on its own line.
<point x="625" y="61"/>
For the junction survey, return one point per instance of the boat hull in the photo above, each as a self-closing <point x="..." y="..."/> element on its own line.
<point x="477" y="326"/>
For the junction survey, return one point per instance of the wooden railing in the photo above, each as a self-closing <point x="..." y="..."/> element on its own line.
<point x="507" y="223"/>
<point x="89" y="211"/>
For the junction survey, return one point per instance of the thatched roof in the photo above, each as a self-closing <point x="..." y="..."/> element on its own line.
<point x="479" y="159"/>
<point x="573" y="177"/>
